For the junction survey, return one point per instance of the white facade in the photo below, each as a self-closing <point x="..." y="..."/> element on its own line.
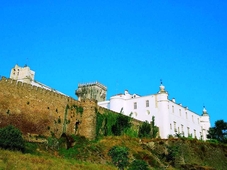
<point x="170" y="117"/>
<point x="26" y="75"/>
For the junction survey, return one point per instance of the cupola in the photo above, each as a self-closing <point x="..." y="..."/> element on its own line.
<point x="204" y="111"/>
<point x="162" y="89"/>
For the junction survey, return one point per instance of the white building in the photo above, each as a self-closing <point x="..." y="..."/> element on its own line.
<point x="170" y="117"/>
<point x="26" y="75"/>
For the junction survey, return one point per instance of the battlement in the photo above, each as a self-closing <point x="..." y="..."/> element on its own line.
<point x="35" y="110"/>
<point x="92" y="84"/>
<point x="35" y="90"/>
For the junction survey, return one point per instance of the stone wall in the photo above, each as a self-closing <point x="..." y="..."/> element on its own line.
<point x="37" y="111"/>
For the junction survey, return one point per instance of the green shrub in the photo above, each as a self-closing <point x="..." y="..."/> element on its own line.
<point x="138" y="165"/>
<point x="145" y="129"/>
<point x="11" y="138"/>
<point x="119" y="156"/>
<point x="31" y="148"/>
<point x="52" y="143"/>
<point x="121" y="125"/>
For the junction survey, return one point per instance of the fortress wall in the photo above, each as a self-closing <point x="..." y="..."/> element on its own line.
<point x="35" y="110"/>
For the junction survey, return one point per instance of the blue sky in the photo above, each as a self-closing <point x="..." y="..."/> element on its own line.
<point x="124" y="45"/>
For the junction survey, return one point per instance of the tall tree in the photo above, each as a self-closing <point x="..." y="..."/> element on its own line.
<point x="219" y="131"/>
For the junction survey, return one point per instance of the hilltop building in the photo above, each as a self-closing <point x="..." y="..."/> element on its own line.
<point x="94" y="90"/>
<point x="26" y="75"/>
<point x="170" y="117"/>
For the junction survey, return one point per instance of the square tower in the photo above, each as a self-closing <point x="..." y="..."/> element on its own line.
<point x="94" y="90"/>
<point x="23" y="74"/>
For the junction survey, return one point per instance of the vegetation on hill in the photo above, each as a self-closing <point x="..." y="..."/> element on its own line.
<point x="155" y="153"/>
<point x="113" y="152"/>
<point x="11" y="138"/>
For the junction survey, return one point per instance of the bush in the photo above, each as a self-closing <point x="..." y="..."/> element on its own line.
<point x="121" y="125"/>
<point x="145" y="129"/>
<point x="11" y="138"/>
<point x="119" y="156"/>
<point x="138" y="165"/>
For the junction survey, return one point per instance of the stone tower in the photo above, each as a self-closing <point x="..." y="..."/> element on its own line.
<point x="94" y="90"/>
<point x="23" y="74"/>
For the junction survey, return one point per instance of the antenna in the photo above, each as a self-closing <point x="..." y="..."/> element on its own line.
<point x="161" y="81"/>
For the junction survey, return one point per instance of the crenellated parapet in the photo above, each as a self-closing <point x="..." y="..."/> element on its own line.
<point x="35" y="110"/>
<point x="34" y="90"/>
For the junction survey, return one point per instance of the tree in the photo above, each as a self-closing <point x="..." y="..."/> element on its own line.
<point x="119" y="155"/>
<point x="138" y="165"/>
<point x="148" y="130"/>
<point x="11" y="138"/>
<point x="154" y="129"/>
<point x="144" y="129"/>
<point x="122" y="123"/>
<point x="219" y="131"/>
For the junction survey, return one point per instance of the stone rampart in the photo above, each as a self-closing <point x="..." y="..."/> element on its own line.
<point x="39" y="111"/>
<point x="35" y="110"/>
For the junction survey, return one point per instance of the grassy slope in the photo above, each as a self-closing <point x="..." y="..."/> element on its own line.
<point x="94" y="155"/>
<point x="15" y="160"/>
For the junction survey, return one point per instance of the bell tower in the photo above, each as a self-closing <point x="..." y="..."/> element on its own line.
<point x="162" y="99"/>
<point x="205" y="123"/>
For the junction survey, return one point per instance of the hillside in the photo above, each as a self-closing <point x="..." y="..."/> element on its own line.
<point x="158" y="153"/>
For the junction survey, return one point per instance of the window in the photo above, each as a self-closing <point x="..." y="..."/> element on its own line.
<point x="194" y="133"/>
<point x="135" y="105"/>
<point x="182" y="129"/>
<point x="178" y="130"/>
<point x="170" y="126"/>
<point x="175" y="128"/>
<point x="172" y="109"/>
<point x="180" y="112"/>
<point x="186" y="114"/>
<point x="188" y="131"/>
<point x="192" y="118"/>
<point x="147" y="103"/>
<point x="198" y="120"/>
<point x="148" y="112"/>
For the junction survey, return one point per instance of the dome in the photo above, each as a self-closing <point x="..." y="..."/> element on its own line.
<point x="162" y="89"/>
<point x="204" y="111"/>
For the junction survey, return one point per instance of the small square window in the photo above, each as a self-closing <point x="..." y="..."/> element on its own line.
<point x="147" y="103"/>
<point x="135" y="105"/>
